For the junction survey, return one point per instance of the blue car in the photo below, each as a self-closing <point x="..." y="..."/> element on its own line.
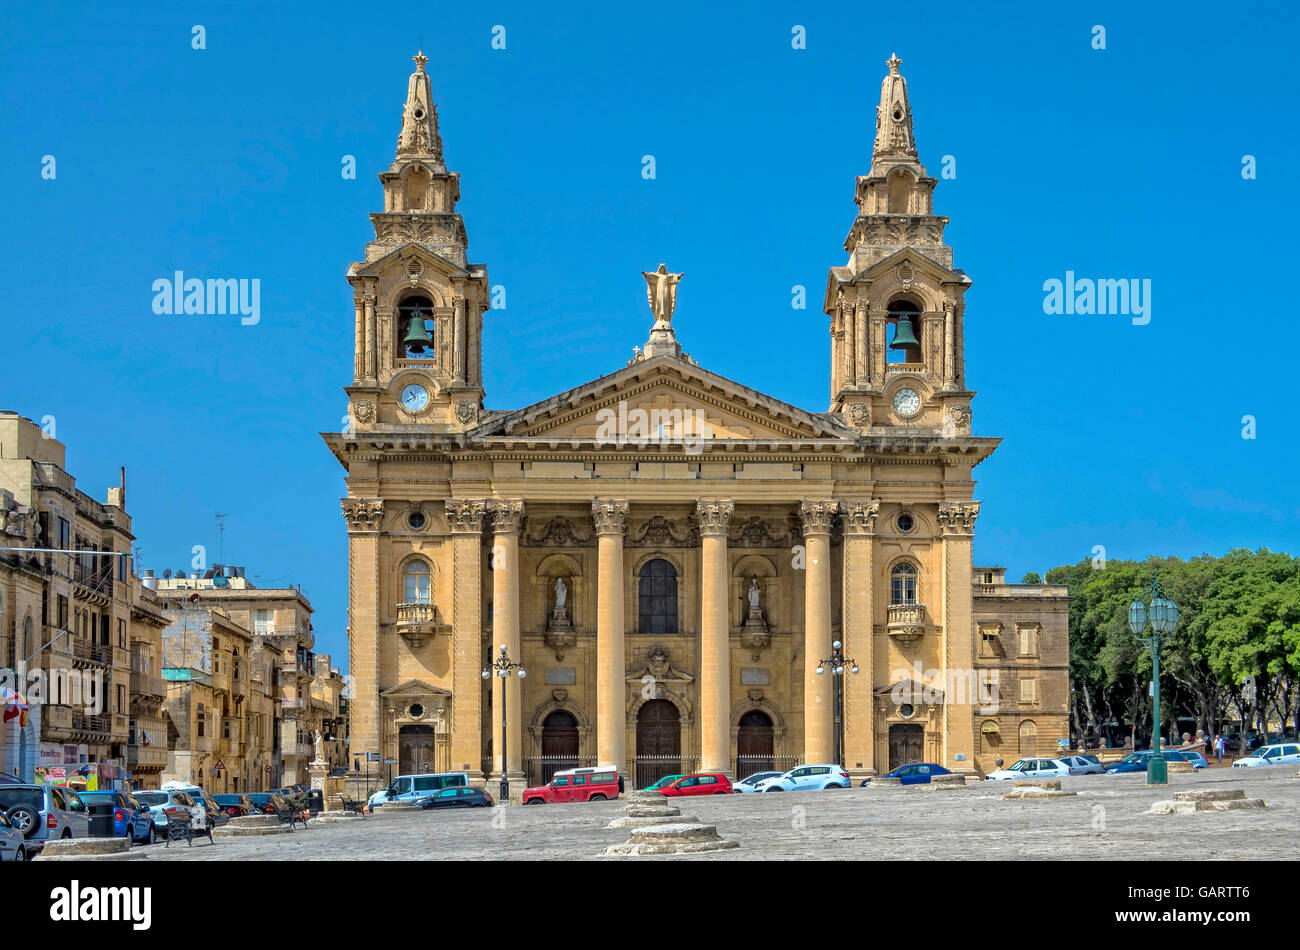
<point x="918" y="774"/>
<point x="1137" y="761"/>
<point x="130" y="818"/>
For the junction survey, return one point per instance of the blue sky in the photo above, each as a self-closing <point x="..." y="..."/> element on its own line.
<point x="225" y="162"/>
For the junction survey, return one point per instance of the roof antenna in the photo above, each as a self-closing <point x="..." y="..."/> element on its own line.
<point x="221" y="538"/>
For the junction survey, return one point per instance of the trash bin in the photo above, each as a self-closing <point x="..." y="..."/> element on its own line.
<point x="101" y="819"/>
<point x="316" y="801"/>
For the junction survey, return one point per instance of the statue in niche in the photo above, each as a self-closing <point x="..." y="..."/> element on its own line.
<point x="561" y="593"/>
<point x="753" y="592"/>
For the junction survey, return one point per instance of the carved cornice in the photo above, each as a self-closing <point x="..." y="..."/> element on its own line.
<point x="714" y="515"/>
<point x="818" y="515"/>
<point x="363" y="514"/>
<point x="507" y="515"/>
<point x="958" y="517"/>
<point x="465" y="515"/>
<point x="860" y="516"/>
<point x="609" y="515"/>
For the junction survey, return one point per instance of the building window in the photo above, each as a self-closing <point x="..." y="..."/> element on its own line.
<point x="1028" y="738"/>
<point x="1028" y="640"/>
<point x="415" y="577"/>
<point x="121" y="633"/>
<point x="121" y="698"/>
<point x="1026" y="690"/>
<point x="989" y="688"/>
<point x="902" y="586"/>
<point x="62" y="612"/>
<point x="64" y="534"/>
<point x="988" y="641"/>
<point x="657" y="597"/>
<point x="263" y="621"/>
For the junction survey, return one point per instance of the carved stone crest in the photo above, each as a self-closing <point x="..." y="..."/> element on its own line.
<point x="364" y="411"/>
<point x="465" y="412"/>
<point x="558" y="532"/>
<point x="860" y="415"/>
<point x="754" y="532"/>
<point x="656" y="533"/>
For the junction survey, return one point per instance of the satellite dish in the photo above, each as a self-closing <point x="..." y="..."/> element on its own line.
<point x="167" y="574"/>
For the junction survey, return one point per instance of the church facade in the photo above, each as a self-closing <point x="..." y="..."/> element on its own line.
<point x="673" y="556"/>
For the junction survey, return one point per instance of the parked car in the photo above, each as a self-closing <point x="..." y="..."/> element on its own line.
<point x="748" y="785"/>
<point x="1280" y="754"/>
<point x="13" y="846"/>
<point x="918" y="773"/>
<point x="701" y="783"/>
<point x="217" y="815"/>
<point x="236" y="806"/>
<point x="268" y="803"/>
<point x="1197" y="759"/>
<point x="163" y="803"/>
<point x="8" y="778"/>
<point x="1137" y="761"/>
<point x="807" y="777"/>
<point x="575" y="785"/>
<point x="130" y="818"/>
<point x="43" y="812"/>
<point x="457" y="797"/>
<point x="409" y="789"/>
<point x="663" y="783"/>
<point x="1084" y="765"/>
<point x="1030" y="768"/>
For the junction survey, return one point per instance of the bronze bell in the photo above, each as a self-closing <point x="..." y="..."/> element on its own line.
<point x="903" y="336"/>
<point x="417" y="337"/>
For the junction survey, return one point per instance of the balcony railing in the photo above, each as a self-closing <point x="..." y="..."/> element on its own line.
<point x="416" y="622"/>
<point x="150" y="757"/>
<point x="906" y="622"/>
<point x="296" y="749"/>
<point x="147" y="684"/>
<point x="81" y="651"/>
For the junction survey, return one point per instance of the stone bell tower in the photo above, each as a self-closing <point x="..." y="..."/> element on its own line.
<point x="897" y="306"/>
<point x="419" y="302"/>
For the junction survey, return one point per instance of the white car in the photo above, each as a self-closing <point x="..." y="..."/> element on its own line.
<point x="805" y="778"/>
<point x="1082" y="765"/>
<point x="13" y="846"/>
<point x="1281" y="754"/>
<point x="1030" y="769"/>
<point x="749" y="785"/>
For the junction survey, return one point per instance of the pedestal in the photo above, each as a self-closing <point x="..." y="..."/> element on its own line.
<point x="317" y="771"/>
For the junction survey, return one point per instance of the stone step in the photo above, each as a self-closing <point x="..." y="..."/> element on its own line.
<point x="674" y="838"/>
<point x="646" y="821"/>
<point x="244" y="831"/>
<point x="1055" y="783"/>
<point x="1037" y="792"/>
<point x="90" y="849"/>
<point x="1209" y="795"/>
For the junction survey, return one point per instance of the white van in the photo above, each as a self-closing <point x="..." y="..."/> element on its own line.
<point x="411" y="788"/>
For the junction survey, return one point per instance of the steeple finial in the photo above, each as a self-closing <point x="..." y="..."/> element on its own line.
<point x="894" y="135"/>
<point x="419" y="137"/>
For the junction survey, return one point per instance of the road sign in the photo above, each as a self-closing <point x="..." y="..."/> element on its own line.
<point x="220" y="766"/>
<point x="390" y="761"/>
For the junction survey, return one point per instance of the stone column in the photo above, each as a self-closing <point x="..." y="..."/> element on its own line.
<point x="850" y="347"/>
<point x="818" y="691"/>
<point x="863" y="349"/>
<point x="610" y="518"/>
<point x="957" y="527"/>
<point x="465" y="519"/>
<point x="370" y="336"/>
<point x="878" y="353"/>
<point x="949" y="345"/>
<point x="857" y="629"/>
<point x="715" y="674"/>
<point x="365" y="519"/>
<point x="458" y="322"/>
<point x="359" y="363"/>
<point x="508" y="514"/>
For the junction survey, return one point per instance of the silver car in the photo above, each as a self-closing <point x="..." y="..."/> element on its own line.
<point x="1084" y="765"/>
<point x="43" y="812"/>
<point x="13" y="846"/>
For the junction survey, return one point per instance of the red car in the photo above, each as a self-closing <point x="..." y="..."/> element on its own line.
<point x="700" y="783"/>
<point x="575" y="785"/>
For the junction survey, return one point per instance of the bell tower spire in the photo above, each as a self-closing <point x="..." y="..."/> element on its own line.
<point x="419" y="137"/>
<point x="894" y="137"/>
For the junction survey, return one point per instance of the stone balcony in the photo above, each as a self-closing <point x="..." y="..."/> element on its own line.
<point x="146" y="758"/>
<point x="147" y="684"/>
<point x="906" y="622"/>
<point x="417" y="622"/>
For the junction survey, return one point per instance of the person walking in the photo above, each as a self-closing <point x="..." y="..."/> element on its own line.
<point x="1218" y="749"/>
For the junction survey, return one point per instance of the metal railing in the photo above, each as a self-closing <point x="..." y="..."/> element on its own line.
<point x="747" y="765"/>
<point x="645" y="770"/>
<point x="539" y="769"/>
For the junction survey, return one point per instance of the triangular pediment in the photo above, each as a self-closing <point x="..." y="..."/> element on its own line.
<point x="414" y="689"/>
<point x="927" y="270"/>
<point x="636" y="400"/>
<point x="400" y="260"/>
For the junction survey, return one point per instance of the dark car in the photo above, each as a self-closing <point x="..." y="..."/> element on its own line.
<point x="130" y="818"/>
<point x="268" y="803"/>
<point x="457" y="797"/>
<point x="918" y="774"/>
<point x="1137" y="761"/>
<point x="7" y="778"/>
<point x="236" y="806"/>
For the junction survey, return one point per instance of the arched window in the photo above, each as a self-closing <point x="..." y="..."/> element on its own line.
<point x="415" y="314"/>
<point x="902" y="584"/>
<point x="657" y="597"/>
<point x="1028" y="738"/>
<point x="415" y="583"/>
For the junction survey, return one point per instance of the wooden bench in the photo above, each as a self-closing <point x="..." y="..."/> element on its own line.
<point x="352" y="807"/>
<point x="290" y="816"/>
<point x="178" y="826"/>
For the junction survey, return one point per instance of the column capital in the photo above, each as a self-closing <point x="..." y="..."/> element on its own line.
<point x="860" y="517"/>
<point x="363" y="514"/>
<point x="714" y="515"/>
<point x="958" y="517"/>
<point x="609" y="515"/>
<point x="507" y="514"/>
<point x="818" y="514"/>
<point x="465" y="515"/>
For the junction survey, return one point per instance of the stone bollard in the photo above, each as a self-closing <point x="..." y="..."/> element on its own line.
<point x="90" y="849"/>
<point x="884" y="781"/>
<point x="1054" y="784"/>
<point x="251" y="825"/>
<point x="1181" y="767"/>
<point x="1205" y="799"/>
<point x="1034" y="790"/>
<point x="637" y="815"/>
<point x="676" y="838"/>
<point x="941" y="783"/>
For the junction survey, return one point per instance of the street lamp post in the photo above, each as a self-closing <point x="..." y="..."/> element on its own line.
<point x="503" y="668"/>
<point x="1162" y="615"/>
<point x="837" y="663"/>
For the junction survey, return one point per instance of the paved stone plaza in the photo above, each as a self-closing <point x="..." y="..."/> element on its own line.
<point x="1105" y="820"/>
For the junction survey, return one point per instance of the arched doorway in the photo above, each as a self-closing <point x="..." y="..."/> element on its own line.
<point x="906" y="741"/>
<point x="753" y="744"/>
<point x="415" y="750"/>
<point x="658" y="742"/>
<point x="559" y="745"/>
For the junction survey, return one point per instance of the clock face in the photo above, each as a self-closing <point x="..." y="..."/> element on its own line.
<point x="907" y="403"/>
<point x="414" y="398"/>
